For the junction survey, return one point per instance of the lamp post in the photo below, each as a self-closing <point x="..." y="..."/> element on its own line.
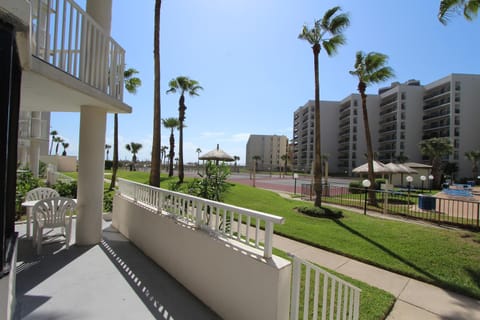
<point x="423" y="178"/>
<point x="409" y="180"/>
<point x="366" y="184"/>
<point x="430" y="177"/>
<point x="295" y="177"/>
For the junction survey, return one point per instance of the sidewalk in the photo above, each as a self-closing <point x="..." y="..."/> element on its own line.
<point x="415" y="299"/>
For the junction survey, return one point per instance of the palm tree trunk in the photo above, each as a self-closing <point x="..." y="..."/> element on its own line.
<point x="115" y="152"/>
<point x="171" y="154"/>
<point x="317" y="170"/>
<point x="154" y="179"/>
<point x="371" y="174"/>
<point x="181" y="119"/>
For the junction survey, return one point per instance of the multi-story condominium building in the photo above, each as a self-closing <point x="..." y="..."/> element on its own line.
<point x="400" y="122"/>
<point x="304" y="135"/>
<point x="270" y="149"/>
<point x="400" y="116"/>
<point x="451" y="109"/>
<point x="351" y="133"/>
<point x="33" y="136"/>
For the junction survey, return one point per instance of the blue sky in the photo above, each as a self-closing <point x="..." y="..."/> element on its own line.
<point x="256" y="72"/>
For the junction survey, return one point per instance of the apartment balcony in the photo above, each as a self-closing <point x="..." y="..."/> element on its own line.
<point x="33" y="129"/>
<point x="437" y="104"/>
<point x="388" y="111"/>
<point x="387" y="129"/>
<point x="438" y="115"/>
<point x="437" y="93"/>
<point x="436" y="126"/>
<point x="72" y="59"/>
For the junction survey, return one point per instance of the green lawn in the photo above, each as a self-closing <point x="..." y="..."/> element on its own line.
<point x="447" y="258"/>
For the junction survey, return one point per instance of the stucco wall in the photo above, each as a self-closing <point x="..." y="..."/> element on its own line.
<point x="233" y="281"/>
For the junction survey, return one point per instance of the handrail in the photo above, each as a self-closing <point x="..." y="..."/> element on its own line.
<point x="64" y="35"/>
<point x="226" y="220"/>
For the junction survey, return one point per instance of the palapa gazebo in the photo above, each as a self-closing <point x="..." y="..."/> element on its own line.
<point x="217" y="155"/>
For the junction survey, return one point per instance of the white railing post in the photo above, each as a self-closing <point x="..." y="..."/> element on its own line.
<point x="267" y="251"/>
<point x="296" y="278"/>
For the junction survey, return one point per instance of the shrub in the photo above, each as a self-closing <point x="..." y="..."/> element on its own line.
<point x="108" y="200"/>
<point x="379" y="182"/>
<point x="321" y="212"/>
<point x="25" y="182"/>
<point x="213" y="185"/>
<point x="355" y="187"/>
<point x="66" y="189"/>
<point x="108" y="164"/>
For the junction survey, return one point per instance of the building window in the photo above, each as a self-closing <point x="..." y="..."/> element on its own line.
<point x="457" y="85"/>
<point x="455" y="155"/>
<point x="403" y="95"/>
<point x="355" y="103"/>
<point x="457" y="108"/>
<point x="457" y="132"/>
<point x="456" y="143"/>
<point x="403" y="106"/>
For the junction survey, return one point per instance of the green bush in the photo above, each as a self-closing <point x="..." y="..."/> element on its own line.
<point x="321" y="212"/>
<point x="213" y="185"/>
<point x="379" y="182"/>
<point x="108" y="200"/>
<point x="25" y="182"/>
<point x="108" y="164"/>
<point x="355" y="187"/>
<point x="66" y="189"/>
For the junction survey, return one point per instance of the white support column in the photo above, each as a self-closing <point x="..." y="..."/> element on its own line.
<point x="90" y="175"/>
<point x="34" y="157"/>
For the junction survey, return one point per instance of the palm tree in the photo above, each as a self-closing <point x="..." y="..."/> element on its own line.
<point x="65" y="145"/>
<point x="326" y="33"/>
<point x="182" y="85"/>
<point x="172" y="124"/>
<point x="58" y="140"/>
<point x="284" y="158"/>
<point x="107" y="148"/>
<point x="198" y="151"/>
<point x="370" y="68"/>
<point x="435" y="149"/>
<point x="133" y="148"/>
<point x="154" y="179"/>
<point x="474" y="157"/>
<point x="53" y="133"/>
<point x="447" y="7"/>
<point x="163" y="153"/>
<point x="236" y="158"/>
<point x="131" y="84"/>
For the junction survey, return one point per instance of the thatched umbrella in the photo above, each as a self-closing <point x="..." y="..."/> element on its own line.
<point x="217" y="155"/>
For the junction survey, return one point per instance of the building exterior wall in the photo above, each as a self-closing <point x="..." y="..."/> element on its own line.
<point x="270" y="149"/>
<point x="400" y="116"/>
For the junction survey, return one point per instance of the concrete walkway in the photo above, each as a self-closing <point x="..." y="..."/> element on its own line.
<point x="415" y="299"/>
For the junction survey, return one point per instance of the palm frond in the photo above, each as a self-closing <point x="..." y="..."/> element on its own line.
<point x="331" y="45"/>
<point x="325" y="22"/>
<point x="339" y="23"/>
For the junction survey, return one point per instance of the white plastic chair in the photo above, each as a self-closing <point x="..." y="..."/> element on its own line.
<point x="35" y="195"/>
<point x="51" y="214"/>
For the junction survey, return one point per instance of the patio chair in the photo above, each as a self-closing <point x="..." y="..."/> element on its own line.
<point x="52" y="214"/>
<point x="35" y="195"/>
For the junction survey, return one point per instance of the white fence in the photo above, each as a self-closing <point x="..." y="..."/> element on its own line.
<point x="64" y="35"/>
<point x="325" y="296"/>
<point x="225" y="220"/>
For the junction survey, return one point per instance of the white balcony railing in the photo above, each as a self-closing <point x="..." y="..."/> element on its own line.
<point x="325" y="296"/>
<point x="64" y="35"/>
<point x="33" y="128"/>
<point x="225" y="220"/>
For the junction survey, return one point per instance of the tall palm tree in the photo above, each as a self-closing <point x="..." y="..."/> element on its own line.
<point x="236" y="158"/>
<point x="65" y="145"/>
<point x="474" y="157"/>
<point x="58" y="140"/>
<point x="435" y="149"/>
<point x="131" y="84"/>
<point x="284" y="158"/>
<point x="172" y="124"/>
<point x="469" y="9"/>
<point x="156" y="161"/>
<point x="326" y="33"/>
<point x="134" y="147"/>
<point x="53" y="133"/>
<point x="182" y="85"/>
<point x="198" y="151"/>
<point x="163" y="153"/>
<point x="370" y="68"/>
<point x="107" y="148"/>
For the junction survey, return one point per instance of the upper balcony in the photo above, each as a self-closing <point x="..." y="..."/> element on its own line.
<point x="73" y="60"/>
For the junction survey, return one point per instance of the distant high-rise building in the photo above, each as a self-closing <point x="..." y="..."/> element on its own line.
<point x="269" y="149"/>
<point x="400" y="116"/>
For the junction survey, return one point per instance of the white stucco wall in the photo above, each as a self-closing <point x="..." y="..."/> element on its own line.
<point x="233" y="281"/>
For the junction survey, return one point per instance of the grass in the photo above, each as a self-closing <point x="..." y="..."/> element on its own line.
<point x="374" y="303"/>
<point x="446" y="258"/>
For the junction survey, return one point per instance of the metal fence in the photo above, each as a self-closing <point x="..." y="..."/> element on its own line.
<point x="447" y="209"/>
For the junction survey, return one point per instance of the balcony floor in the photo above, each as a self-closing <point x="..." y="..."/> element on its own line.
<point x="112" y="280"/>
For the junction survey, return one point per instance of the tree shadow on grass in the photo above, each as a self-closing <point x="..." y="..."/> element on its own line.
<point x="425" y="275"/>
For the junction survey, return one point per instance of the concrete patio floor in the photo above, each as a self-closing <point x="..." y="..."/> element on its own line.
<point x="112" y="280"/>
